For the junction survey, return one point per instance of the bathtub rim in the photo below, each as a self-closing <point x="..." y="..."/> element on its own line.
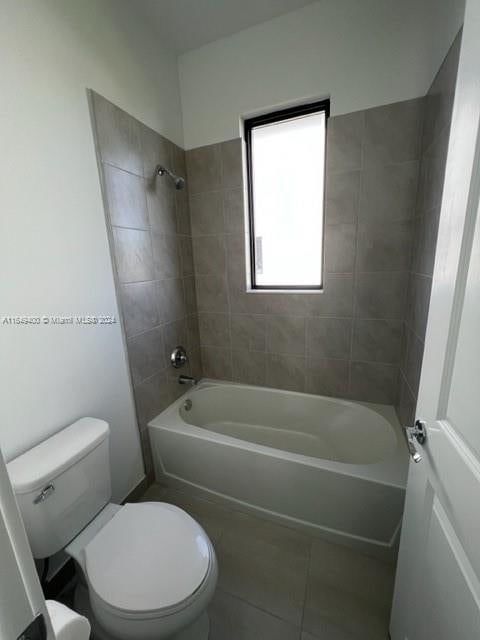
<point x="171" y="420"/>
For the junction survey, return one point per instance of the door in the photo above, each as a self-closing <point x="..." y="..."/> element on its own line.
<point x="22" y="605"/>
<point x="437" y="590"/>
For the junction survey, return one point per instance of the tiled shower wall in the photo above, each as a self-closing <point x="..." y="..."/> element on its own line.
<point x="149" y="226"/>
<point x="439" y="104"/>
<point x="180" y="258"/>
<point x="347" y="340"/>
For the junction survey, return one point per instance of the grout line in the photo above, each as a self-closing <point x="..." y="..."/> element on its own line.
<point x="132" y="173"/>
<point x="144" y="332"/>
<point x="151" y="376"/>
<point x="160" y="325"/>
<point x="373" y="165"/>
<point x="213" y="235"/>
<point x="382" y="271"/>
<point x="427" y="276"/>
<point x="355" y="272"/>
<point x="306" y="585"/>
<point x="218" y="233"/>
<point x="149" y="229"/>
<point x="380" y="363"/>
<point x="227" y="278"/>
<point x="258" y="608"/>
<point x="407" y="384"/>
<point x="305" y="354"/>
<point x="445" y="130"/>
<point x="203" y="193"/>
<point x="153" y="280"/>
<point x="412" y="330"/>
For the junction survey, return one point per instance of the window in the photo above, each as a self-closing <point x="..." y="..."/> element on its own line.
<point x="285" y="171"/>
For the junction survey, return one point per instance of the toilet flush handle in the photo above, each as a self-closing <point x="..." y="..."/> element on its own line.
<point x="44" y="494"/>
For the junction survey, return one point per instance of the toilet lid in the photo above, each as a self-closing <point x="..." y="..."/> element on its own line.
<point x="149" y="556"/>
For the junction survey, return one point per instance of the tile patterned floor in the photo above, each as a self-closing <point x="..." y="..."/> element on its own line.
<point x="276" y="583"/>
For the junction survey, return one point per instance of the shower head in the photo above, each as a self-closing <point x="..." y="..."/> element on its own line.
<point x="178" y="181"/>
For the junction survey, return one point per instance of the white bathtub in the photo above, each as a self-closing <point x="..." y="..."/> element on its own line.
<point x="333" y="467"/>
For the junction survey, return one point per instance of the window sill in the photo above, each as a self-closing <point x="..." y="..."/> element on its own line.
<point x="283" y="291"/>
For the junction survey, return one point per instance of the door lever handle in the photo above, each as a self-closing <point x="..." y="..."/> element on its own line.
<point x="417" y="433"/>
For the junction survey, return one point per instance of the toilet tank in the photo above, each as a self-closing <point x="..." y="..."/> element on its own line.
<point x="62" y="483"/>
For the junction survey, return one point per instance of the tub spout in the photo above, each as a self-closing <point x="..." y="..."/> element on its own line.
<point x="187" y="380"/>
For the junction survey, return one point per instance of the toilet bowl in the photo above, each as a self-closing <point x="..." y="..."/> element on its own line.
<point x="147" y="571"/>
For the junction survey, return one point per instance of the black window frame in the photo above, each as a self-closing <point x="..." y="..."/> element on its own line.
<point x="320" y="106"/>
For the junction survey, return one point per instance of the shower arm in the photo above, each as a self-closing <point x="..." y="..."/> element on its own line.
<point x="179" y="182"/>
<point x="160" y="170"/>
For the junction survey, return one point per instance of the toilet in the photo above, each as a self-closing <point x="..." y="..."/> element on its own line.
<point x="147" y="571"/>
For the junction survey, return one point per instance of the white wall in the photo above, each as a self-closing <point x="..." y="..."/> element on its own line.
<point x="361" y="53"/>
<point x="54" y="256"/>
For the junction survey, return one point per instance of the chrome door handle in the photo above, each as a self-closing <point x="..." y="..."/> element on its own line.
<point x="416" y="433"/>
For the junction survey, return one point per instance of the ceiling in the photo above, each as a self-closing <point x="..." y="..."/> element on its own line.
<point x="188" y="24"/>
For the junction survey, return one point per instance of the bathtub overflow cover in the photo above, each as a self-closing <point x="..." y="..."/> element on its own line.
<point x="188" y="404"/>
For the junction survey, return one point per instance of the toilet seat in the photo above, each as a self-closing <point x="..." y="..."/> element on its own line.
<point x="148" y="561"/>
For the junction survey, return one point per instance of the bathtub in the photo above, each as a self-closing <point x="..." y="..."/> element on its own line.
<point x="332" y="467"/>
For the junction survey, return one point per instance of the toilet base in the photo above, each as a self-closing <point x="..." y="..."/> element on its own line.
<point x="198" y="630"/>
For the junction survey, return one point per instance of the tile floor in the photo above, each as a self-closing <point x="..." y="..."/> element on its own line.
<point x="276" y="583"/>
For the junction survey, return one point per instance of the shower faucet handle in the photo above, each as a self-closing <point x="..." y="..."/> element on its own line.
<point x="178" y="357"/>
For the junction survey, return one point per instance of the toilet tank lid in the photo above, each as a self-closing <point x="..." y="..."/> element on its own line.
<point x="41" y="464"/>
